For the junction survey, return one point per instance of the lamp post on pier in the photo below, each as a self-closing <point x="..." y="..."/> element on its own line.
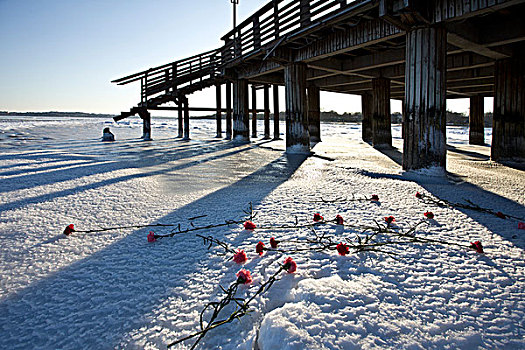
<point x="235" y="3"/>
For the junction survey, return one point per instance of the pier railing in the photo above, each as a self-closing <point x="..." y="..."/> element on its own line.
<point x="171" y="76"/>
<point x="276" y="21"/>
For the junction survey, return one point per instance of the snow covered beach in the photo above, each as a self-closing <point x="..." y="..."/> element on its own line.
<point x="116" y="290"/>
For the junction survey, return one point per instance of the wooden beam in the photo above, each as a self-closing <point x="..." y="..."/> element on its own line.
<point x="254" y="111"/>
<point x="366" y="112"/>
<point x="266" y="96"/>
<point x="241" y="117"/>
<point x="314" y="113"/>
<point x="228" y="110"/>
<point x="381" y="128"/>
<point x="276" y="133"/>
<point x="218" y="112"/>
<point x="476" y="125"/>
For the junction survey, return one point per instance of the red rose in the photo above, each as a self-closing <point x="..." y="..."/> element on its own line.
<point x="521" y="225"/>
<point x="389" y="219"/>
<point x="318" y="217"/>
<point x="500" y="215"/>
<point x="419" y="195"/>
<point x="339" y="220"/>
<point x="259" y="248"/>
<point x="244" y="277"/>
<point x="477" y="247"/>
<point x="273" y="243"/>
<point x="429" y="215"/>
<point x="342" y="249"/>
<point x="375" y="198"/>
<point x="248" y="225"/>
<point x="240" y="257"/>
<point x="69" y="229"/>
<point x="289" y="265"/>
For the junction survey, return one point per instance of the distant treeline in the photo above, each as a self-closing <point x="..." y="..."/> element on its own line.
<point x="453" y="118"/>
<point x="56" y="114"/>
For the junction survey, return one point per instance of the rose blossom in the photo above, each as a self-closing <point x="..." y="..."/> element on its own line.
<point x="69" y="229"/>
<point x="244" y="277"/>
<point x="151" y="237"/>
<point x="477" y="247"/>
<point x="248" y="225"/>
<point x="500" y="215"/>
<point x="273" y="243"/>
<point x="342" y="249"/>
<point x="318" y="217"/>
<point x="429" y="215"/>
<point x="419" y="195"/>
<point x="259" y="248"/>
<point x="375" y="198"/>
<point x="289" y="265"/>
<point x="389" y="219"/>
<point x="240" y="257"/>
<point x="339" y="220"/>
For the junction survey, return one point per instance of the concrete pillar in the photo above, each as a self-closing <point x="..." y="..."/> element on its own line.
<point x="314" y="113"/>
<point x="266" y="111"/>
<point x="276" y="133"/>
<point x="228" y="110"/>
<point x="218" y="113"/>
<point x="366" y="111"/>
<point x="297" y="135"/>
<point x="241" y="118"/>
<point x="381" y="125"/>
<point x="508" y="127"/>
<point x="254" y="112"/>
<point x="476" y="134"/>
<point x="425" y="98"/>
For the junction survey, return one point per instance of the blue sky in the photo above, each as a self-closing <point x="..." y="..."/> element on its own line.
<point x="62" y="54"/>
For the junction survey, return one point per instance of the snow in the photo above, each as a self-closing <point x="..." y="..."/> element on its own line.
<point x="116" y="290"/>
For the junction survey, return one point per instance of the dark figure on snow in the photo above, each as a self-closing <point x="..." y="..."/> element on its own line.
<point x="107" y="135"/>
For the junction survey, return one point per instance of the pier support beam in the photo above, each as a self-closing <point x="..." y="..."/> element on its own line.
<point x="266" y="91"/>
<point x="146" y="125"/>
<point x="297" y="135"/>
<point x="180" y="118"/>
<point x="366" y="111"/>
<point x="424" y="145"/>
<point x="186" y="119"/>
<point x="218" y="99"/>
<point x="228" y="111"/>
<point x="241" y="117"/>
<point x="381" y="125"/>
<point x="476" y="134"/>
<point x="276" y="133"/>
<point x="254" y="112"/>
<point x="508" y="128"/>
<point x="314" y="113"/>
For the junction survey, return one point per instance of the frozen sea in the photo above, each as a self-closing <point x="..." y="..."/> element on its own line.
<point x="115" y="290"/>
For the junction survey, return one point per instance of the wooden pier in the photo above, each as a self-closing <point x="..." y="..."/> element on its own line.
<point x="419" y="51"/>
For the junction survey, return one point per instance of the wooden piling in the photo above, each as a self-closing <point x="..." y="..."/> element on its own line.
<point x="508" y="127"/>
<point x="241" y="118"/>
<point x="381" y="124"/>
<point x="218" y="114"/>
<point x="314" y="113"/>
<point x="186" y="119"/>
<point x="146" y="125"/>
<point x="180" y="118"/>
<point x="276" y="133"/>
<point x="476" y="134"/>
<point x="425" y="98"/>
<point x="297" y="135"/>
<point x="266" y="91"/>
<point x="254" y="112"/>
<point x="366" y="111"/>
<point x="228" y="110"/>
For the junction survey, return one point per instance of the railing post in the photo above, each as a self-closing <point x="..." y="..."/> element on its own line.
<point x="276" y="17"/>
<point x="238" y="44"/>
<point x="146" y="88"/>
<point x="342" y="3"/>
<point x="256" y="34"/>
<point x="304" y="12"/>
<point x="166" y="80"/>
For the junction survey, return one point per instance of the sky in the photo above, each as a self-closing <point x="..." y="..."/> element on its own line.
<point x="61" y="55"/>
